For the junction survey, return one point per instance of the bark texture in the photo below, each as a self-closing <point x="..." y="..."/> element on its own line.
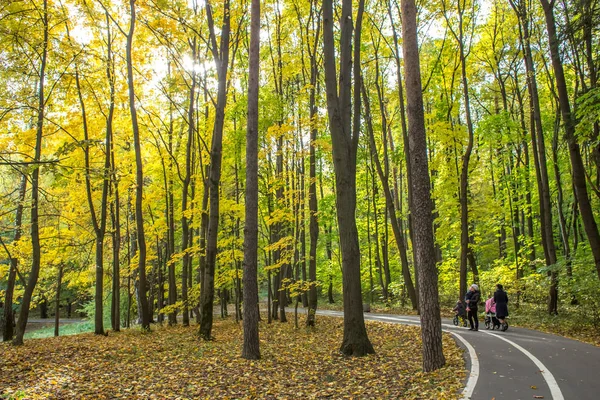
<point x="422" y="211"/>
<point x="251" y="347"/>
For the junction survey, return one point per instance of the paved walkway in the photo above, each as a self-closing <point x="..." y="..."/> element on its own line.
<point x="520" y="363"/>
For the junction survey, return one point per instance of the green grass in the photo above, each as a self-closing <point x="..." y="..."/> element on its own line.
<point x="64" y="330"/>
<point x="577" y="322"/>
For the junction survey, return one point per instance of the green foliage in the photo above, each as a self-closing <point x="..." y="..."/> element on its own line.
<point x="588" y="113"/>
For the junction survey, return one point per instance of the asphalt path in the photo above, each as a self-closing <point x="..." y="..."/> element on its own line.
<point x="518" y="364"/>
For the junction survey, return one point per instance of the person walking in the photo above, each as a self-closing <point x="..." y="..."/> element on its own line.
<point x="472" y="298"/>
<point x="501" y="300"/>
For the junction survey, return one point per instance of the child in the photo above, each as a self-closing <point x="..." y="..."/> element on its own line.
<point x="460" y="314"/>
<point x="490" y="314"/>
<point x="490" y="306"/>
<point x="459" y="309"/>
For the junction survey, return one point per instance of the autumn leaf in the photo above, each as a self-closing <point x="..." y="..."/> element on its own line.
<point x="172" y="362"/>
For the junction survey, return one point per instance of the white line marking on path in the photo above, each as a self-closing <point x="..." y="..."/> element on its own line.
<point x="474" y="374"/>
<point x="467" y="392"/>
<point x="552" y="384"/>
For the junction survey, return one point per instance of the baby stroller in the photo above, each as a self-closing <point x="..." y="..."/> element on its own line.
<point x="490" y="320"/>
<point x="460" y="315"/>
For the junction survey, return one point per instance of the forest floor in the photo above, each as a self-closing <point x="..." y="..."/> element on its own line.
<point x="173" y="363"/>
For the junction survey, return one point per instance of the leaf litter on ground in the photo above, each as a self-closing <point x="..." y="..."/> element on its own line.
<point x="174" y="363"/>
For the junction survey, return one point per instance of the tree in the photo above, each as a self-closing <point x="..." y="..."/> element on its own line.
<point x="422" y="210"/>
<point x="539" y="150"/>
<point x="98" y="223"/>
<point x="251" y="348"/>
<point x="139" y="189"/>
<point x="577" y="167"/>
<point x="461" y="38"/>
<point x="344" y="140"/>
<point x="221" y="57"/>
<point x="312" y="189"/>
<point x="35" y="183"/>
<point x="8" y="316"/>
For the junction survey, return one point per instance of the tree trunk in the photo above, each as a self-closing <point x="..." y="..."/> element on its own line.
<point x="278" y="230"/>
<point x="539" y="153"/>
<point x="577" y="168"/>
<point x="35" y="189"/>
<point x="170" y="217"/>
<point x="139" y="218"/>
<point x="116" y="279"/>
<point x="185" y="221"/>
<point x="405" y="142"/>
<point x="312" y="189"/>
<point x="115" y="311"/>
<point x="390" y="207"/>
<point x="431" y="324"/>
<point x="344" y="145"/>
<point x="221" y="57"/>
<point x="251" y="346"/>
<point x="9" y="317"/>
<point x="464" y="172"/>
<point x="57" y="300"/>
<point x="377" y="238"/>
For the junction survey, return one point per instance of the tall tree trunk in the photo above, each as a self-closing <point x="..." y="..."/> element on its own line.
<point x="251" y="346"/>
<point x="160" y="301"/>
<point x="221" y="57"/>
<point x="35" y="188"/>
<point x="464" y="170"/>
<point x="344" y="145"/>
<point x="390" y="207"/>
<point x="521" y="108"/>
<point x="185" y="220"/>
<point x="113" y="184"/>
<point x="562" y="221"/>
<point x="279" y="234"/>
<point x="369" y="247"/>
<point x="139" y="217"/>
<point x="131" y="250"/>
<point x="377" y="238"/>
<point x="203" y="233"/>
<point x="97" y="225"/>
<point x="405" y="140"/>
<point x="539" y="152"/>
<point x="431" y="324"/>
<point x="9" y="317"/>
<point x="302" y="216"/>
<point x="577" y="168"/>
<point x="116" y="240"/>
<point x="312" y="189"/>
<point x="57" y="300"/>
<point x="170" y="217"/>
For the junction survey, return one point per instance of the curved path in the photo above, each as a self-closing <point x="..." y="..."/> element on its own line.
<point x="519" y="363"/>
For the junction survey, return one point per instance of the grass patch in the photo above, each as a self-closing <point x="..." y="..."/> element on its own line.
<point x="573" y="322"/>
<point x="74" y="328"/>
<point x="172" y="362"/>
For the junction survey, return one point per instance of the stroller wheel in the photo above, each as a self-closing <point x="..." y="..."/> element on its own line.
<point x="455" y="320"/>
<point x="464" y="322"/>
<point x="487" y="324"/>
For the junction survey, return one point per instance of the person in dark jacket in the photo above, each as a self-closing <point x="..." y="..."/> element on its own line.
<point x="472" y="298"/>
<point x="501" y="300"/>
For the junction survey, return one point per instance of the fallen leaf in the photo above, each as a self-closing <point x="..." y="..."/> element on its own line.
<point x="172" y="362"/>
